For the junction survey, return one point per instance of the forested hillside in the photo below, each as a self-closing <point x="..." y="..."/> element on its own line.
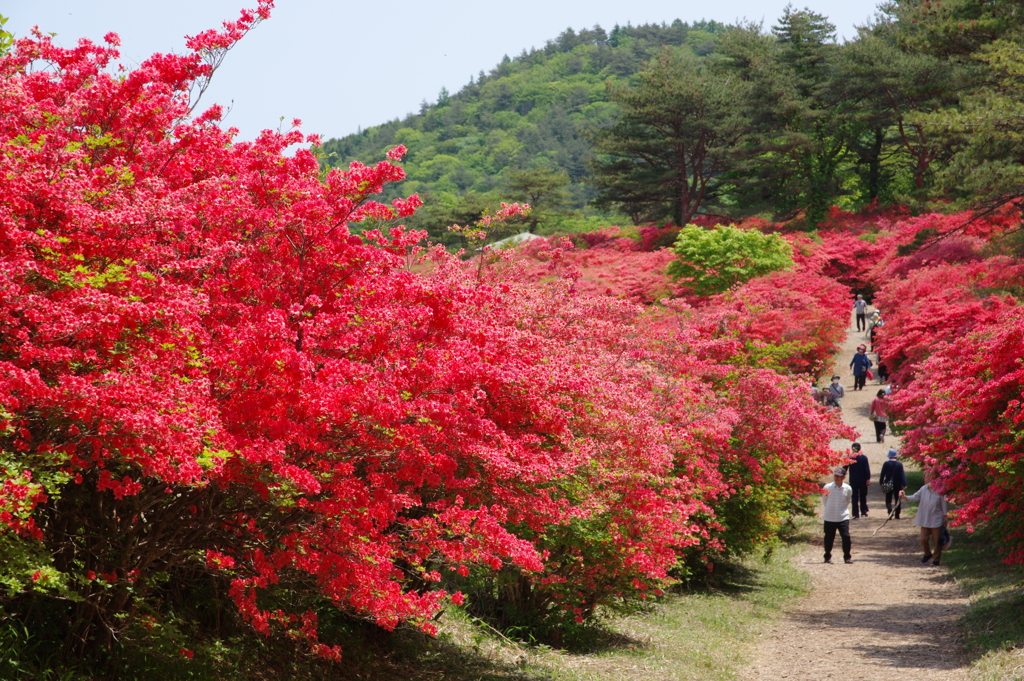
<point x="667" y="122"/>
<point x="518" y="131"/>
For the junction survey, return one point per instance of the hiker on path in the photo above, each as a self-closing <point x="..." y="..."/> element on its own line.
<point x="860" y="478"/>
<point x="931" y="517"/>
<point x="879" y="413"/>
<point x="836" y="497"/>
<point x="883" y="371"/>
<point x="836" y="392"/>
<point x="860" y="307"/>
<point x="892" y="480"/>
<point x="860" y="365"/>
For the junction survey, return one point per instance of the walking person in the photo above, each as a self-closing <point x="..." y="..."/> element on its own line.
<point x="892" y="480"/>
<point x="860" y="478"/>
<point x="860" y="365"/>
<point x="879" y="413"/>
<point x="931" y="518"/>
<point x="860" y="307"/>
<point x="836" y="497"/>
<point x="883" y="371"/>
<point x="836" y="392"/>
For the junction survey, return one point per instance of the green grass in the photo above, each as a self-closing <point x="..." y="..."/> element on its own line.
<point x="993" y="627"/>
<point x="699" y="635"/>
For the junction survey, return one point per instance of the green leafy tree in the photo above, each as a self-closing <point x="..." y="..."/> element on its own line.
<point x="666" y="152"/>
<point x="985" y="126"/>
<point x="795" y="157"/>
<point x="715" y="260"/>
<point x="545" y="189"/>
<point x="888" y="86"/>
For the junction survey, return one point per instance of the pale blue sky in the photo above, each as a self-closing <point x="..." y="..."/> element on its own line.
<point x="340" y="66"/>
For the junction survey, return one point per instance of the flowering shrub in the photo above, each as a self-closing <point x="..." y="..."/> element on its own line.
<point x="964" y="414"/>
<point x="202" y="371"/>
<point x="953" y="333"/>
<point x="794" y="320"/>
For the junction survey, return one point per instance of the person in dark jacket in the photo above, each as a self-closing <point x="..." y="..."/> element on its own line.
<point x="892" y="470"/>
<point x="860" y="478"/>
<point x="860" y="365"/>
<point x="883" y="371"/>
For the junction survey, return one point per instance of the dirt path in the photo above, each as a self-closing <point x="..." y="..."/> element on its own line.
<point x="884" y="616"/>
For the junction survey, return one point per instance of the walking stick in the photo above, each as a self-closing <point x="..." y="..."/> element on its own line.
<point x="891" y="514"/>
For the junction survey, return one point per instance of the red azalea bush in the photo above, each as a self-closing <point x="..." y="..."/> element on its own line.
<point x="964" y="420"/>
<point x="793" y="320"/>
<point x="614" y="268"/>
<point x="203" y="372"/>
<point x="953" y="335"/>
<point x="939" y="304"/>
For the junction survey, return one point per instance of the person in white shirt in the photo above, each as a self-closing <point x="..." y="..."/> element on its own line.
<point x="836" y="496"/>
<point x="931" y="517"/>
<point x="860" y="307"/>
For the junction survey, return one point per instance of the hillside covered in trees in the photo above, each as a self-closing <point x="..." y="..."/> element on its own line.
<point x="667" y="122"/>
<point x="519" y="131"/>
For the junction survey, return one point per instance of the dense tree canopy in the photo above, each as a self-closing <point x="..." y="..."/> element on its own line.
<point x="676" y="132"/>
<point x="923" y="100"/>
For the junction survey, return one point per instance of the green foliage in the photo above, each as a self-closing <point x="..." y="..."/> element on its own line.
<point x="982" y="42"/>
<point x="6" y="37"/>
<point x="666" y="152"/>
<point x="924" y="102"/>
<point x="716" y="259"/>
<point x="527" y="113"/>
<point x="795" y="158"/>
<point x="546" y="190"/>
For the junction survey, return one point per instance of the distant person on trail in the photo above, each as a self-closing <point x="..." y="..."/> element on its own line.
<point x="860" y="365"/>
<point x="892" y="480"/>
<point x="860" y="307"/>
<point x="879" y="413"/>
<point x="931" y="518"/>
<point x="836" y="497"/>
<point x="836" y="392"/>
<point x="883" y="371"/>
<point x="860" y="478"/>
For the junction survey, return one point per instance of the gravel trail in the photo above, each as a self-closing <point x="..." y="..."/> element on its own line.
<point x="885" y="616"/>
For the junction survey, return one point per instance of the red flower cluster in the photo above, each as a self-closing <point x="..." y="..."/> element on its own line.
<point x="954" y="335"/>
<point x="201" y="367"/>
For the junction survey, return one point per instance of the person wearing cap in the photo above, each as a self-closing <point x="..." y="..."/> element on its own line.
<point x="836" y="391"/>
<point x="860" y="478"/>
<point x="892" y="480"/>
<point x="931" y="517"/>
<point x="836" y="497"/>
<point x="860" y="307"/>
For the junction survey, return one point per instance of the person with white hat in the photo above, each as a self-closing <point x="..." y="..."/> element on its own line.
<point x="836" y="496"/>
